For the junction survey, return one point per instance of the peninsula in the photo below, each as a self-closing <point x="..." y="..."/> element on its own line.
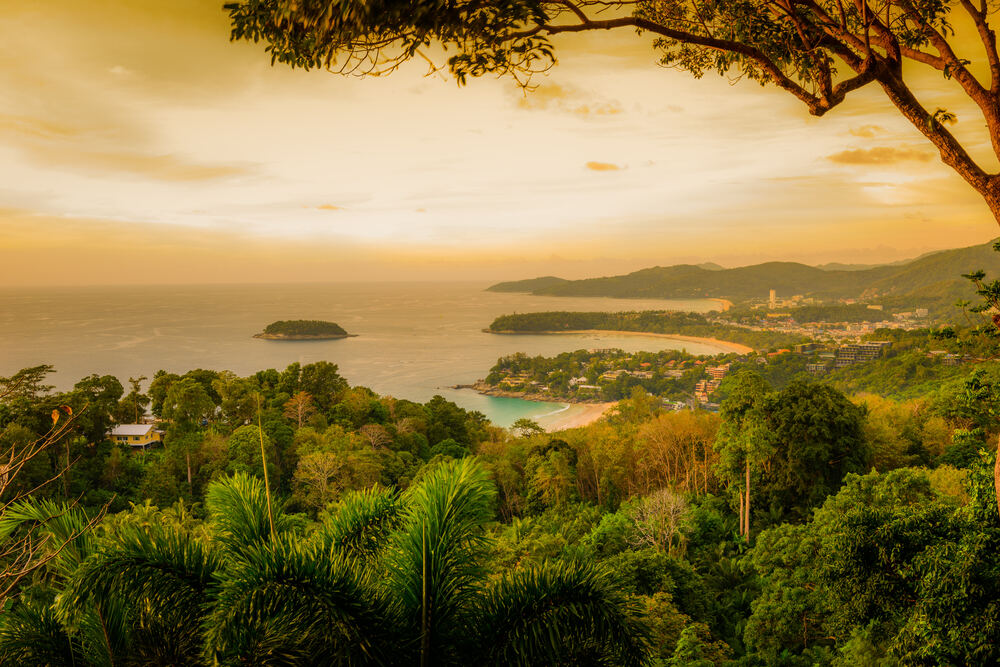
<point x="302" y="330"/>
<point x="671" y="324"/>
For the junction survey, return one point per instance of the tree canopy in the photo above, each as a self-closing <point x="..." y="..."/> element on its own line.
<point x="819" y="51"/>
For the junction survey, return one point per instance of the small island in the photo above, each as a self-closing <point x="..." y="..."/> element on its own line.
<point x="302" y="330"/>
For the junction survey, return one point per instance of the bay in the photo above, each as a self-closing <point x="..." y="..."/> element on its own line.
<point x="414" y="340"/>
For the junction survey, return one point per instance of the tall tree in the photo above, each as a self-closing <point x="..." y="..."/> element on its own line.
<point x="187" y="405"/>
<point x="819" y="51"/>
<point x="743" y="441"/>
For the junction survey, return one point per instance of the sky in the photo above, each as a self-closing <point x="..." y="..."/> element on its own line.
<point x="139" y="145"/>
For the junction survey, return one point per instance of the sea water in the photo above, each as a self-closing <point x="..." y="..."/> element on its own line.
<point x="413" y="340"/>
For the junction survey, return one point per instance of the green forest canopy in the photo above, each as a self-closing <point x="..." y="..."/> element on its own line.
<point x="304" y="328"/>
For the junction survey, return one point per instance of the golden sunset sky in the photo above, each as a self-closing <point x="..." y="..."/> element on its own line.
<point x="137" y="144"/>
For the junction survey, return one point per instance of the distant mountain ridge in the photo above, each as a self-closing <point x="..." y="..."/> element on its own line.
<point x="934" y="277"/>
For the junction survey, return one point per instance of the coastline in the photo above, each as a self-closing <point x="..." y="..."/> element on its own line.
<point x="724" y="344"/>
<point x="575" y="415"/>
<point x="264" y="336"/>
<point x="725" y="303"/>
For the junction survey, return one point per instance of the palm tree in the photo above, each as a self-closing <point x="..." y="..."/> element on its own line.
<point x="389" y="579"/>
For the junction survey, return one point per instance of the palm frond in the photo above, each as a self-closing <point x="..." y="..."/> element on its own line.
<point x="360" y="526"/>
<point x="105" y="635"/>
<point x="30" y="634"/>
<point x="238" y="508"/>
<point x="161" y="578"/>
<point x="282" y="604"/>
<point x="558" y="614"/>
<point x="66" y="526"/>
<point x="436" y="563"/>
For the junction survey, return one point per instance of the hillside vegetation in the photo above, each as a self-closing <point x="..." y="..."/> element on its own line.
<point x="924" y="281"/>
<point x="304" y="328"/>
<point x="650" y="321"/>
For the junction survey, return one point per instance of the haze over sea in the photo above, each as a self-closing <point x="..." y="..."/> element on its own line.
<point x="414" y="340"/>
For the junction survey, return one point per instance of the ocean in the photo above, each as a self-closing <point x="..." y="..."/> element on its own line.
<point x="414" y="340"/>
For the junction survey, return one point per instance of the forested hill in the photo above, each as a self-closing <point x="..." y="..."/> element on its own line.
<point x="934" y="277"/>
<point x="529" y="285"/>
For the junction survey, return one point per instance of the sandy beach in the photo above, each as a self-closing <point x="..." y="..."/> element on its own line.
<point x="725" y="303"/>
<point x="574" y="416"/>
<point x="724" y="344"/>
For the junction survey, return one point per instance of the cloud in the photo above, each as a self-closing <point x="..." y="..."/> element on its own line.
<point x="328" y="207"/>
<point x="570" y="99"/>
<point x="166" y="167"/>
<point x="880" y="155"/>
<point x="55" y="144"/>
<point x="866" y="131"/>
<point x="602" y="166"/>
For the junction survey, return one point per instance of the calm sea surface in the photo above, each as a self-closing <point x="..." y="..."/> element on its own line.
<point x="413" y="340"/>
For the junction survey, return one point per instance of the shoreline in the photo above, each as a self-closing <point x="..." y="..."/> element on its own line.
<point x="264" y="336"/>
<point x="725" y="303"/>
<point x="484" y="389"/>
<point x="727" y="346"/>
<point x="575" y="414"/>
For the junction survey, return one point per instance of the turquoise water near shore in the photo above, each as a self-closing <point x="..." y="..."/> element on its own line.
<point x="414" y="340"/>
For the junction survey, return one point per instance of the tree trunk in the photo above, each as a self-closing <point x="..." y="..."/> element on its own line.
<point x="741" y="513"/>
<point x="996" y="475"/>
<point x="187" y="455"/>
<point x="746" y="522"/>
<point x="952" y="152"/>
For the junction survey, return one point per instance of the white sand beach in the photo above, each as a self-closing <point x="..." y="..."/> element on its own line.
<point x="574" y="416"/>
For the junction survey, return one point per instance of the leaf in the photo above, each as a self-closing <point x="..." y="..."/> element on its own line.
<point x="55" y="416"/>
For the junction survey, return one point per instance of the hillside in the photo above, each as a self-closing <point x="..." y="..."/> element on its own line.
<point x="529" y="285"/>
<point x="927" y="280"/>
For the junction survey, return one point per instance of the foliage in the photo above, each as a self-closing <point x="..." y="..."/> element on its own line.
<point x="310" y="328"/>
<point x="651" y="321"/>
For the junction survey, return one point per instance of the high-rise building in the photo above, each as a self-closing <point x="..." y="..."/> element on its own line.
<point x="774" y="299"/>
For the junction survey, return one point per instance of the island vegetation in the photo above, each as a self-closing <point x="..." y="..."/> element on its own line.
<point x="302" y="330"/>
<point x="661" y="322"/>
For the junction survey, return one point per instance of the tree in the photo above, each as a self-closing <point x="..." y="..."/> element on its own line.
<point x="525" y="427"/>
<point x="388" y="580"/>
<point x="819" y="51"/>
<point x="376" y="435"/>
<point x="186" y="404"/>
<point x="989" y="311"/>
<point x="299" y="407"/>
<point x="27" y="539"/>
<point x="743" y="441"/>
<point x="323" y="382"/>
<point x="130" y="407"/>
<point x="238" y="398"/>
<point x="658" y="521"/>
